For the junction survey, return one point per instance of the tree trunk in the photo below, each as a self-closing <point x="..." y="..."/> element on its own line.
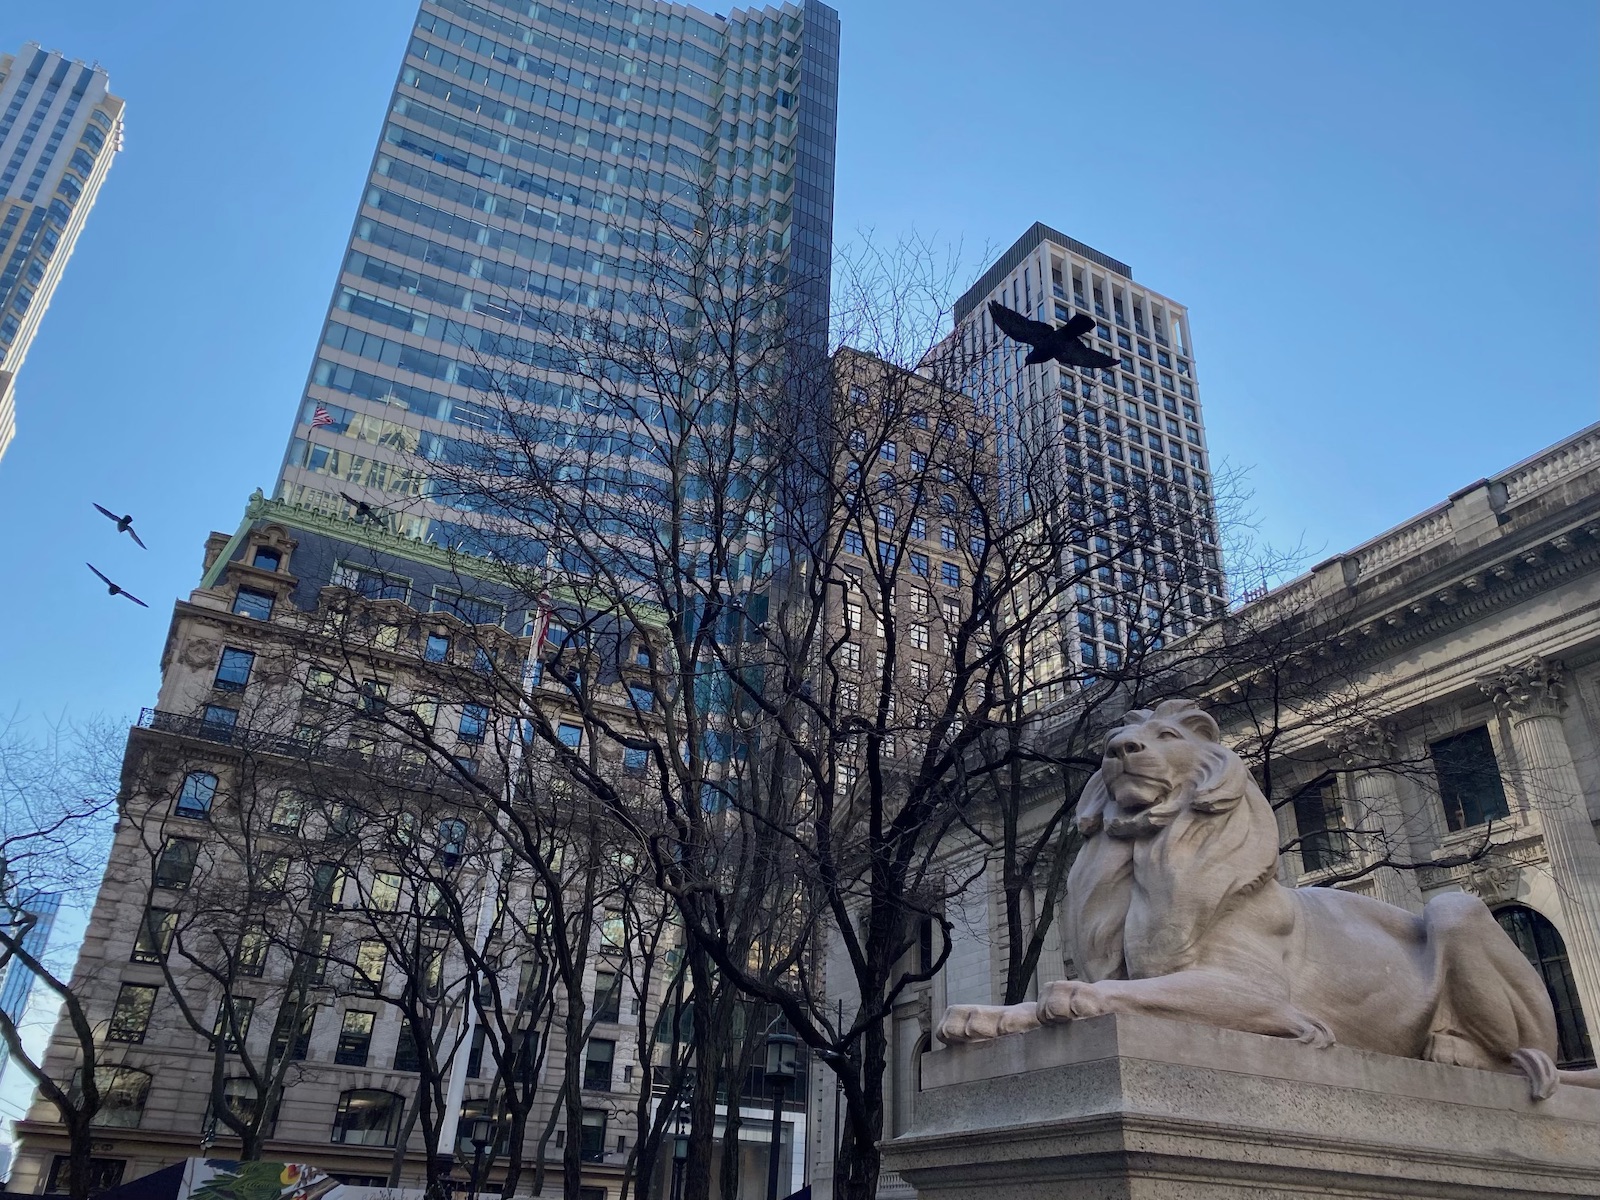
<point x="857" y="1178"/>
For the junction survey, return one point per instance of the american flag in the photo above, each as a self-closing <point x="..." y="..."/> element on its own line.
<point x="541" y="624"/>
<point x="321" y="417"/>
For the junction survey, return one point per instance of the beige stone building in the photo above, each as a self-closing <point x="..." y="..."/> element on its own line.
<point x="311" y="864"/>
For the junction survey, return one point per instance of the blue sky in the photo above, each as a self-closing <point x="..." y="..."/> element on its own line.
<point x="1382" y="217"/>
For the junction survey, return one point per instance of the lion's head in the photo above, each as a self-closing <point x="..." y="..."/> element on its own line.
<point x="1174" y="826"/>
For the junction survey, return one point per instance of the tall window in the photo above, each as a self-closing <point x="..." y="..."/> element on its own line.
<point x="123" y="1091"/>
<point x="598" y="1056"/>
<point x="367" y="1117"/>
<point x="251" y="603"/>
<point x="233" y="672"/>
<point x="1469" y="779"/>
<point x="155" y="935"/>
<point x="291" y="1033"/>
<point x="233" y="1022"/>
<point x="195" y="797"/>
<point x="372" y="956"/>
<point x="607" y="996"/>
<point x="175" y="867"/>
<point x="327" y="885"/>
<point x="1542" y="945"/>
<point x="474" y="719"/>
<point x="592" y="1146"/>
<point x="131" y="1017"/>
<point x="355" y="1039"/>
<point x="288" y="811"/>
<point x="407" y="1057"/>
<point x="1319" y="819"/>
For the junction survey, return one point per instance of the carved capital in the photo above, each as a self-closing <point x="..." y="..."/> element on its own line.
<point x="1363" y="742"/>
<point x="1493" y="882"/>
<point x="1533" y="688"/>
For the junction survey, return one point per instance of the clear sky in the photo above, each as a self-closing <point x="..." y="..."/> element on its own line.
<point x="1381" y="215"/>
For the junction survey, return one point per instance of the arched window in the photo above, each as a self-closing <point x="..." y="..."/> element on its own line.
<point x="123" y="1091"/>
<point x="367" y="1117"/>
<point x="1539" y="941"/>
<point x="199" y="790"/>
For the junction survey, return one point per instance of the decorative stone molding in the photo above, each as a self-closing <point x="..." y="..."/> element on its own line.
<point x="1492" y="881"/>
<point x="1535" y="687"/>
<point x="1363" y="742"/>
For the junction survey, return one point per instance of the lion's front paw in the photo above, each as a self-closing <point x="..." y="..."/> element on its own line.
<point x="979" y="1022"/>
<point x="957" y="1024"/>
<point x="1067" y="999"/>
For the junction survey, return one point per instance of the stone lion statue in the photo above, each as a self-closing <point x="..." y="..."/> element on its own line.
<point x="1174" y="910"/>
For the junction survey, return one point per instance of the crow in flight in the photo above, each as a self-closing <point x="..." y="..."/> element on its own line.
<point x="124" y="525"/>
<point x="364" y="511"/>
<point x="114" y="589"/>
<point x="1061" y="343"/>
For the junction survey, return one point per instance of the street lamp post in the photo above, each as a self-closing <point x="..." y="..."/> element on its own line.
<point x="782" y="1053"/>
<point x="481" y="1134"/>
<point x="680" y="1155"/>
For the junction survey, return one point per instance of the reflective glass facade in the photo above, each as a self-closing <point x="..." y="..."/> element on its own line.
<point x="59" y="130"/>
<point x="530" y="150"/>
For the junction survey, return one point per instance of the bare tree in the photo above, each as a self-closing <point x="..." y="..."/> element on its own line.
<point x="58" y="795"/>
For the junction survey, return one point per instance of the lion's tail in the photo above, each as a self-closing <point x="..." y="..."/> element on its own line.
<point x="1585" y="1079"/>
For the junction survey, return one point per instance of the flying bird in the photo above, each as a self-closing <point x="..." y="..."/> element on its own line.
<point x="1062" y="343"/>
<point x="124" y="525"/>
<point x="115" y="589"/>
<point x="364" y="511"/>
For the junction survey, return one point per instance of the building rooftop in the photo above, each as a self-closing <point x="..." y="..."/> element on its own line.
<point x="1024" y="245"/>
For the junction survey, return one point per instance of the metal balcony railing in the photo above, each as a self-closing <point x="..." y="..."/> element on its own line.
<point x="384" y="762"/>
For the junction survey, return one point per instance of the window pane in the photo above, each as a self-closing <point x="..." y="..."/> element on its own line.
<point x="1469" y="779"/>
<point x="198" y="791"/>
<point x="355" y="1036"/>
<point x="131" y="1017"/>
<point x="233" y="672"/>
<point x="251" y="603"/>
<point x="597" y="1059"/>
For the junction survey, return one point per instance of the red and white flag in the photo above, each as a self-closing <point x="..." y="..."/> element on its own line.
<point x="321" y="417"/>
<point x="541" y="624"/>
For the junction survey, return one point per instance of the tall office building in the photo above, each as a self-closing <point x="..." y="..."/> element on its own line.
<point x="16" y="980"/>
<point x="1100" y="441"/>
<point x="529" y="151"/>
<point x="60" y="127"/>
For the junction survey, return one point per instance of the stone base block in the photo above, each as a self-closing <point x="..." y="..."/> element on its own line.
<point x="1136" y="1108"/>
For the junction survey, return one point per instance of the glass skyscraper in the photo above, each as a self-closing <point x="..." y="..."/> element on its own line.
<point x="60" y="127"/>
<point x="528" y="150"/>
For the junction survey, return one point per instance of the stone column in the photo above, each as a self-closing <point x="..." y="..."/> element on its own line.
<point x="1378" y="810"/>
<point x="1532" y="695"/>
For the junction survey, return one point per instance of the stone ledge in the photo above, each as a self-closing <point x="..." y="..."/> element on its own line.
<point x="1125" y="1107"/>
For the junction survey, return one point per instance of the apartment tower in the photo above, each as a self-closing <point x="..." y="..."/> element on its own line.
<point x="1102" y="442"/>
<point x="60" y="127"/>
<point x="530" y="153"/>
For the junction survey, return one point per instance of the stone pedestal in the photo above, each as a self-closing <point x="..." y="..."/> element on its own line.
<point x="1137" y="1108"/>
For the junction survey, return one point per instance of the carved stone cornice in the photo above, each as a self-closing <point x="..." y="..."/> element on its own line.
<point x="1535" y="687"/>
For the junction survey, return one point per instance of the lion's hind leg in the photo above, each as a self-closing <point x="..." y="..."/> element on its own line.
<point x="1491" y="1010"/>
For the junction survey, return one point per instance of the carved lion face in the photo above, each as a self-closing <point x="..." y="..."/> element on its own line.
<point x="1157" y="751"/>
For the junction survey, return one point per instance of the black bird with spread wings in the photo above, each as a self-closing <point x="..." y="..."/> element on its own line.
<point x="115" y="589"/>
<point x="364" y="511"/>
<point x="124" y="524"/>
<point x="1062" y="343"/>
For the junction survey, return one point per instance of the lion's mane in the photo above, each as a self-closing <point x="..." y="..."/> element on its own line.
<point x="1146" y="886"/>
